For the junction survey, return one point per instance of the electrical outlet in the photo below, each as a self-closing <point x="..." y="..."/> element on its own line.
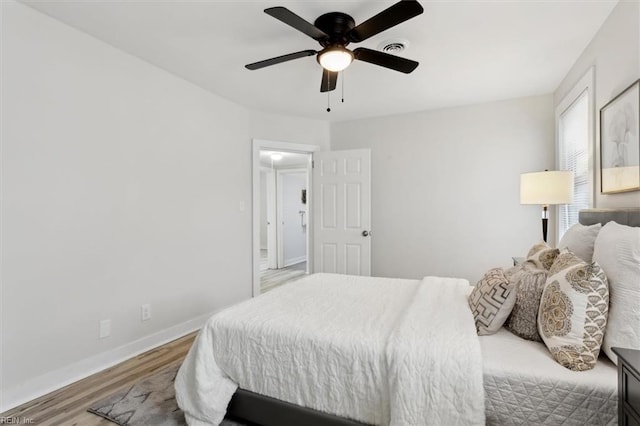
<point x="105" y="328"/>
<point x="145" y="312"/>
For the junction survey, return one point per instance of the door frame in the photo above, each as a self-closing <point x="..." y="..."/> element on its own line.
<point x="267" y="145"/>
<point x="271" y="213"/>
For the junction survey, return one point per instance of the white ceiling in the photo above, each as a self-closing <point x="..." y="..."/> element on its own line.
<point x="470" y="51"/>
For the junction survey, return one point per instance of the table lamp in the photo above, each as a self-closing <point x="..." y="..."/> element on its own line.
<point x="546" y="188"/>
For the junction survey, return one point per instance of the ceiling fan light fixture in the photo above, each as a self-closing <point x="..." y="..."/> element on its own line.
<point x="335" y="58"/>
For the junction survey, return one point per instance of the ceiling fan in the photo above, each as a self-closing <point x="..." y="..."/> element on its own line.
<point x="335" y="30"/>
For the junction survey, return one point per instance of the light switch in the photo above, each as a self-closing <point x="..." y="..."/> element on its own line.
<point x="105" y="328"/>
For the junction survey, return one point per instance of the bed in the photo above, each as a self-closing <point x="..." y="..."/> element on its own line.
<point x="524" y="385"/>
<point x="340" y="350"/>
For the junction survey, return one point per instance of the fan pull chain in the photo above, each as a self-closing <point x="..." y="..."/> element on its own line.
<point x="342" y="82"/>
<point x="328" y="100"/>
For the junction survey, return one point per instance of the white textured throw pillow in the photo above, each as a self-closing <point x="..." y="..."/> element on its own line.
<point x="580" y="239"/>
<point x="617" y="251"/>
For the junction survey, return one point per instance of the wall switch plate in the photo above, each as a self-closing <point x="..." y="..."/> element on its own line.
<point x="145" y="312"/>
<point x="105" y="328"/>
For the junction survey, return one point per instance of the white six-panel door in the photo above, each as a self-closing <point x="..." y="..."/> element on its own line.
<point x="342" y="211"/>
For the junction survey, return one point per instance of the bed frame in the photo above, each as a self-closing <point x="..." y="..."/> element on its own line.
<point x="629" y="217"/>
<point x="265" y="411"/>
<point x="246" y="406"/>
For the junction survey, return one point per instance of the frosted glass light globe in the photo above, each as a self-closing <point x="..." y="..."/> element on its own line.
<point x="335" y="58"/>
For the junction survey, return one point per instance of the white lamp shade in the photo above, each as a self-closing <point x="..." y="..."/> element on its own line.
<point x="554" y="187"/>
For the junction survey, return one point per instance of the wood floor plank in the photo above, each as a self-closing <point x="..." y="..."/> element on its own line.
<point x="68" y="406"/>
<point x="113" y="378"/>
<point x="272" y="278"/>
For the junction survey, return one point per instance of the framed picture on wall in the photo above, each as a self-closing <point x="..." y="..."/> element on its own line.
<point x="620" y="142"/>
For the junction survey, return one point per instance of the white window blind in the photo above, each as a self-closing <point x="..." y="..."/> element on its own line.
<point x="573" y="154"/>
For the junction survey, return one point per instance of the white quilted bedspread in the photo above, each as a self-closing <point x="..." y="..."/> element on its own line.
<point x="376" y="350"/>
<point x="525" y="386"/>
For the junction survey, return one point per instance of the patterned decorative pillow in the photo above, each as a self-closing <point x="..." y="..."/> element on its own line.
<point x="529" y="282"/>
<point x="573" y="311"/>
<point x="542" y="255"/>
<point x="491" y="301"/>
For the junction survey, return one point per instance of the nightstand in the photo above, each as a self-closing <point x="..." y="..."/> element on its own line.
<point x="628" y="386"/>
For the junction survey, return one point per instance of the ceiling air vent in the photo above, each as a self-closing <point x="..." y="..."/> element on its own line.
<point x="393" y="47"/>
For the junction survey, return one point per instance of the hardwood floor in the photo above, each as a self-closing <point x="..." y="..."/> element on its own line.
<point x="67" y="406"/>
<point x="272" y="278"/>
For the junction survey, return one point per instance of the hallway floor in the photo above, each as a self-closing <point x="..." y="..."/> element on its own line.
<point x="272" y="278"/>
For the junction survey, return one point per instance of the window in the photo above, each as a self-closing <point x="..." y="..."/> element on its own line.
<point x="574" y="142"/>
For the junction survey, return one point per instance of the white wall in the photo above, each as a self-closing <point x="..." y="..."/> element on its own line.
<point x="121" y="185"/>
<point x="615" y="53"/>
<point x="445" y="194"/>
<point x="280" y="128"/>
<point x="294" y="235"/>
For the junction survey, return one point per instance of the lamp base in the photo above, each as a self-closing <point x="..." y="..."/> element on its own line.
<point x="545" y="222"/>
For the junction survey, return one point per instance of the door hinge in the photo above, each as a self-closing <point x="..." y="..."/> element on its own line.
<point x="313" y="164"/>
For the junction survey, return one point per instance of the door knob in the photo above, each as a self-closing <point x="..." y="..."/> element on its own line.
<point x="365" y="233"/>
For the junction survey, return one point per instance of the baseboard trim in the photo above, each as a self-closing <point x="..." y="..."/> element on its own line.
<point x="295" y="261"/>
<point x="54" y="380"/>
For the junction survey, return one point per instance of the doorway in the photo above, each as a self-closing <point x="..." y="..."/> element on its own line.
<point x="282" y="241"/>
<point x="283" y="217"/>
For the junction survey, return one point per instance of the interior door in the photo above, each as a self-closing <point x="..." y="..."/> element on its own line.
<point x="342" y="211"/>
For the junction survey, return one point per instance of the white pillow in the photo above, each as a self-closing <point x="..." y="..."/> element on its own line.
<point x="580" y="239"/>
<point x="617" y="251"/>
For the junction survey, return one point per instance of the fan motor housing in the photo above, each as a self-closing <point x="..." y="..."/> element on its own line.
<point x="336" y="25"/>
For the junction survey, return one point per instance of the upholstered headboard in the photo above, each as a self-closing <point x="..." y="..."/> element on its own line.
<point x="629" y="217"/>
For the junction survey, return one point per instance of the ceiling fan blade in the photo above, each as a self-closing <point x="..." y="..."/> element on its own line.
<point x="288" y="17"/>
<point x="390" y="17"/>
<point x="280" y="59"/>
<point x="385" y="60"/>
<point x="329" y="80"/>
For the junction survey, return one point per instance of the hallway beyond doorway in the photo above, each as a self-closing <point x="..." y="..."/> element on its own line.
<point x="272" y="278"/>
